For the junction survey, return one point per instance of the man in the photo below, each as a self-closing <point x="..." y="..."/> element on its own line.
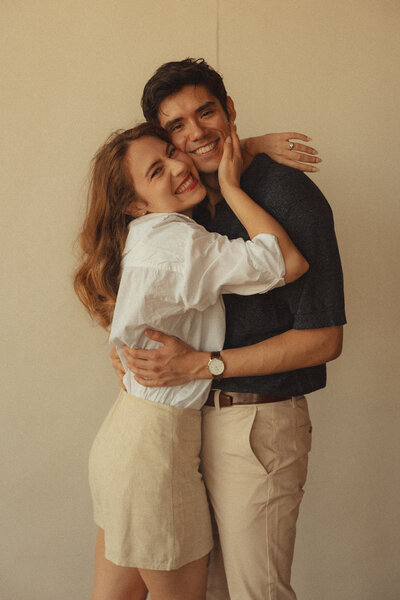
<point x="257" y="432"/>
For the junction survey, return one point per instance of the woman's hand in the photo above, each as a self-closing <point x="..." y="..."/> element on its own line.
<point x="282" y="150"/>
<point x="231" y="165"/>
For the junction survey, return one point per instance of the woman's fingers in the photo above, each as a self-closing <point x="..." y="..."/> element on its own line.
<point x="302" y="148"/>
<point x="236" y="150"/>
<point x="296" y="136"/>
<point x="228" y="150"/>
<point x="303" y="157"/>
<point x="299" y="165"/>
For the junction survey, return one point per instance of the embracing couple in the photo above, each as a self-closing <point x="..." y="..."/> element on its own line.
<point x="197" y="473"/>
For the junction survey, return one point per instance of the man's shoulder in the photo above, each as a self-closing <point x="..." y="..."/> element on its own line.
<point x="273" y="184"/>
<point x="263" y="169"/>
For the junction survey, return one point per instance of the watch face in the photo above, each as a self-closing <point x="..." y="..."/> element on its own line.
<point x="216" y="366"/>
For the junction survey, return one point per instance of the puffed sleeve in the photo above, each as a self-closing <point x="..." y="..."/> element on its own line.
<point x="215" y="265"/>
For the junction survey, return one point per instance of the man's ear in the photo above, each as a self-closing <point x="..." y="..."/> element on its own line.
<point x="231" y="109"/>
<point x="137" y="208"/>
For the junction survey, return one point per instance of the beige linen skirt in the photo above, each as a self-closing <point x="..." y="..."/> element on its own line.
<point x="148" y="494"/>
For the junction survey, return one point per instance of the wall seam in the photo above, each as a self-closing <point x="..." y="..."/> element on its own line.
<point x="217" y="36"/>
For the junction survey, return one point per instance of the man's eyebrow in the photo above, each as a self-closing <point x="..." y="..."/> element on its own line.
<point x="200" y="109"/>
<point x="204" y="106"/>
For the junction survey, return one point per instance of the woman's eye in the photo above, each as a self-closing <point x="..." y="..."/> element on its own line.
<point x="171" y="152"/>
<point x="155" y="172"/>
<point x="176" y="127"/>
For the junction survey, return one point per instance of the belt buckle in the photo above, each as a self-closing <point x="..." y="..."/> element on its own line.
<point x="228" y="400"/>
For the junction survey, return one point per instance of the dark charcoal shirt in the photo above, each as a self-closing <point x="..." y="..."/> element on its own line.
<point x="313" y="301"/>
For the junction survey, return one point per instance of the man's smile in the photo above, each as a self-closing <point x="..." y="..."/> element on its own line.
<point x="208" y="148"/>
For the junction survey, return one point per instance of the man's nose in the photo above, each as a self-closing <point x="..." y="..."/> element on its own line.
<point x="195" y="131"/>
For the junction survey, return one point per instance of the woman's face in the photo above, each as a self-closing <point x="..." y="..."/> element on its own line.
<point x="164" y="178"/>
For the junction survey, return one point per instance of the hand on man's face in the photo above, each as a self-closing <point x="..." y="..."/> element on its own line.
<point x="197" y="124"/>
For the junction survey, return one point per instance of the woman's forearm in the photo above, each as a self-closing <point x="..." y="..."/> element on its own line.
<point x="256" y="220"/>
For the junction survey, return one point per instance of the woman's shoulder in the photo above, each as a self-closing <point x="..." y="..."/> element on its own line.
<point x="158" y="240"/>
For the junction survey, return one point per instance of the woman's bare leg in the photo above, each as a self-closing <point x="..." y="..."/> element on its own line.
<point x="186" y="583"/>
<point x="112" y="582"/>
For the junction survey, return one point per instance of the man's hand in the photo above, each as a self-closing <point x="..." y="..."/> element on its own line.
<point x="173" y="364"/>
<point x="117" y="366"/>
<point x="282" y="150"/>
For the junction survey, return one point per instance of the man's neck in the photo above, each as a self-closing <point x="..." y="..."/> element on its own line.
<point x="214" y="195"/>
<point x="210" y="180"/>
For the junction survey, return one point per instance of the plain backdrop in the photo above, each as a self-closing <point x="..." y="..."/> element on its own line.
<point x="72" y="72"/>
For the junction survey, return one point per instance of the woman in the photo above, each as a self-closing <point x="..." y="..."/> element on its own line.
<point x="146" y="263"/>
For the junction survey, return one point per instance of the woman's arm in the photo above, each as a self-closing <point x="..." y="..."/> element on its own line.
<point x="282" y="150"/>
<point x="252" y="216"/>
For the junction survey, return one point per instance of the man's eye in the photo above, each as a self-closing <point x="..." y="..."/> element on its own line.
<point x="206" y="113"/>
<point x="155" y="172"/>
<point x="171" y="152"/>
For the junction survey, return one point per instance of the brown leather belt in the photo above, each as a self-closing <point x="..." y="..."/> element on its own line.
<point x="230" y="398"/>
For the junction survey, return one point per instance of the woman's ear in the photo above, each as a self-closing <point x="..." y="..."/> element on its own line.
<point x="137" y="208"/>
<point x="231" y="110"/>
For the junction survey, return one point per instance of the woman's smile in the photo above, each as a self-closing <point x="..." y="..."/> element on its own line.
<point x="187" y="185"/>
<point x="160" y="173"/>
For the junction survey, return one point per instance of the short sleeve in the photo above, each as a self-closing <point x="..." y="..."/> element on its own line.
<point x="316" y="299"/>
<point x="320" y="301"/>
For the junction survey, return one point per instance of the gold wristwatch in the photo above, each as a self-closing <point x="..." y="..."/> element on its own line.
<point x="216" y="365"/>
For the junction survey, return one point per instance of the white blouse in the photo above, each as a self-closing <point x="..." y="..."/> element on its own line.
<point x="173" y="275"/>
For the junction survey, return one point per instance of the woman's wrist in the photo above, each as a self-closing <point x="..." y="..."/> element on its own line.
<point x="228" y="189"/>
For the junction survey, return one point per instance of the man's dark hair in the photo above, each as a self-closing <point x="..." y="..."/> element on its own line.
<point x="171" y="77"/>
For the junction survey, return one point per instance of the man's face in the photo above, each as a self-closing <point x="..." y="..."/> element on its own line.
<point x="197" y="124"/>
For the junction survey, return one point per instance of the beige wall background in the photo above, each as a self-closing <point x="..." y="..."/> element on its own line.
<point x="72" y="71"/>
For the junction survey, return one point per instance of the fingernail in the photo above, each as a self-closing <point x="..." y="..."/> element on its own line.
<point x="315" y="152"/>
<point x="314" y="169"/>
<point x="228" y="139"/>
<point x="318" y="159"/>
<point x="308" y="139"/>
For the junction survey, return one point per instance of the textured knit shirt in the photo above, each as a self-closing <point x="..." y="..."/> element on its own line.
<point x="174" y="273"/>
<point x="313" y="301"/>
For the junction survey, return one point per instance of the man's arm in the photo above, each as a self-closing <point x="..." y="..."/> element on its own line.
<point x="117" y="366"/>
<point x="176" y="363"/>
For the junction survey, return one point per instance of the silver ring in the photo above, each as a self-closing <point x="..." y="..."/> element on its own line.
<point x="291" y="146"/>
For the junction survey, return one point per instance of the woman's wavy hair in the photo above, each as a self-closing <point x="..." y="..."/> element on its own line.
<point x="105" y="227"/>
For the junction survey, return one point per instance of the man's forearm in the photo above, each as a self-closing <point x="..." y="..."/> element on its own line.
<point x="294" y="349"/>
<point x="176" y="363"/>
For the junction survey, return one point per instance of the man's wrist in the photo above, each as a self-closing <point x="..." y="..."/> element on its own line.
<point x="199" y="368"/>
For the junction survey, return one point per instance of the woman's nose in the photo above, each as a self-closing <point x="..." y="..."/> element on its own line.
<point x="177" y="166"/>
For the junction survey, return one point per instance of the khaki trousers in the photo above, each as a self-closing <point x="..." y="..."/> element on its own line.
<point x="254" y="462"/>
